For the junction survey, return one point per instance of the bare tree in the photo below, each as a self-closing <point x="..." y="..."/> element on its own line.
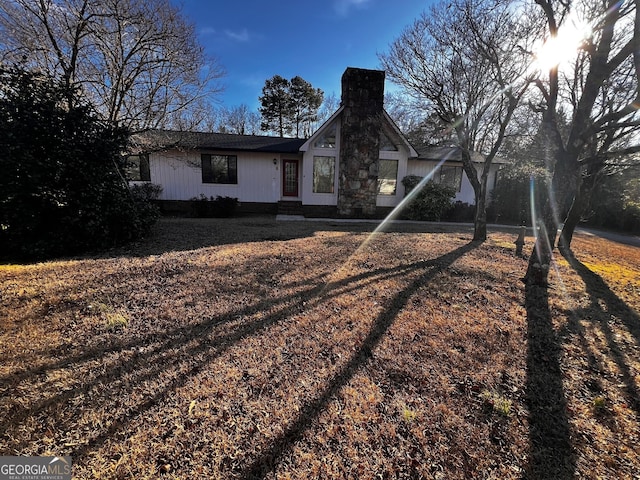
<point x="137" y="61"/>
<point x="464" y="62"/>
<point x="419" y="125"/>
<point x="597" y="116"/>
<point x="239" y="120"/>
<point x="329" y="106"/>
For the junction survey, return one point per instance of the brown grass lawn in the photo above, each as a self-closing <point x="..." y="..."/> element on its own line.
<point x="247" y="348"/>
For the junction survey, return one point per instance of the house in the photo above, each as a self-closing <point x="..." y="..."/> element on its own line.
<point x="352" y="166"/>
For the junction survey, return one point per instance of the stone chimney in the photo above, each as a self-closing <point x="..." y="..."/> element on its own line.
<point x="362" y="98"/>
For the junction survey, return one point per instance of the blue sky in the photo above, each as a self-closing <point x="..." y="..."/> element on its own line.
<point x="256" y="39"/>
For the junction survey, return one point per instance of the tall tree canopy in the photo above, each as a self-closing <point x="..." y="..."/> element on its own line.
<point x="464" y="62"/>
<point x="289" y="106"/>
<point x="137" y="61"/>
<point x="588" y="103"/>
<point x="469" y="61"/>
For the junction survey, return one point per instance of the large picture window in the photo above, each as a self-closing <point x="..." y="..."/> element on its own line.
<point x="451" y="176"/>
<point x="323" y="174"/>
<point x="137" y="169"/>
<point x="387" y="177"/>
<point x="219" y="168"/>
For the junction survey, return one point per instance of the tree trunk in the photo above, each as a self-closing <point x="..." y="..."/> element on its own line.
<point x="542" y="254"/>
<point x="580" y="202"/>
<point x="562" y="188"/>
<point x="480" y="216"/>
<point x="479" y="188"/>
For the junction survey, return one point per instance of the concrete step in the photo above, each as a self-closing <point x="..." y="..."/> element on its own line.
<point x="290" y="208"/>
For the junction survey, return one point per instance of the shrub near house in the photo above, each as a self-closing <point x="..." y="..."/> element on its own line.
<point x="431" y="202"/>
<point x="218" y="207"/>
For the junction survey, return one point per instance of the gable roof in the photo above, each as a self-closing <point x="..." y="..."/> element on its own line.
<point x="396" y="134"/>
<point x="168" y="139"/>
<point x="307" y="144"/>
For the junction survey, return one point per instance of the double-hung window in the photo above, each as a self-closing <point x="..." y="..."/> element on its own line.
<point x="219" y="168"/>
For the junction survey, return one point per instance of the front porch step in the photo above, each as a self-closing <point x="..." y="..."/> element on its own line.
<point x="290" y="208"/>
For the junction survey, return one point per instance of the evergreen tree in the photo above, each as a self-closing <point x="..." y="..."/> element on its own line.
<point x="306" y="102"/>
<point x="289" y="106"/>
<point x="276" y="105"/>
<point x="61" y="190"/>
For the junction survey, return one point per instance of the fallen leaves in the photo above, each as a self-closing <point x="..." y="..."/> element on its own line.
<point x="403" y="355"/>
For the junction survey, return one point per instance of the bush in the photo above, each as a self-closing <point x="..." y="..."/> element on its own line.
<point x="62" y="189"/>
<point x="144" y="196"/>
<point x="219" y="207"/>
<point x="430" y="203"/>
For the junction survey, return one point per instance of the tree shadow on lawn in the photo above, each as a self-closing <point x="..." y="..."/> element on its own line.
<point x="127" y="378"/>
<point x="551" y="453"/>
<point x="605" y="309"/>
<point x="183" y="234"/>
<point x="268" y="460"/>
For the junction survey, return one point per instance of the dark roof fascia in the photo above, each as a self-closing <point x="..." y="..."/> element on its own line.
<point x="162" y="140"/>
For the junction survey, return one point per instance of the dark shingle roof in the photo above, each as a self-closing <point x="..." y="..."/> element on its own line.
<point x="452" y="154"/>
<point x="166" y="139"/>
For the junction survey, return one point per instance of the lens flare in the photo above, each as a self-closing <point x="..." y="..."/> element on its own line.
<point x="386" y="222"/>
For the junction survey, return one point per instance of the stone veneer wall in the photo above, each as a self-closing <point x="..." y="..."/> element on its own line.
<point x="362" y="98"/>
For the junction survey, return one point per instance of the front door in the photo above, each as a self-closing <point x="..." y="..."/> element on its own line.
<point x="290" y="178"/>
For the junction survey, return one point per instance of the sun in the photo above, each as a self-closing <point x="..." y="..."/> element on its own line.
<point x="564" y="46"/>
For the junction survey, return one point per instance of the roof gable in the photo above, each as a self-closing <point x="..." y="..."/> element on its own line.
<point x="307" y="144"/>
<point x="395" y="134"/>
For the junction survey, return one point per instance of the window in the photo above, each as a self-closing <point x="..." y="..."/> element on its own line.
<point x="386" y="145"/>
<point x="328" y="138"/>
<point x="451" y="176"/>
<point x="323" y="174"/>
<point x="219" y="168"/>
<point x="137" y="168"/>
<point x="387" y="177"/>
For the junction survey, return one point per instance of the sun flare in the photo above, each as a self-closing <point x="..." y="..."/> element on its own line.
<point x="562" y="47"/>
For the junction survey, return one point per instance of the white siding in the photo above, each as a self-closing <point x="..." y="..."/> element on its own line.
<point x="180" y="175"/>
<point x="308" y="196"/>
<point x="425" y="168"/>
<point x="393" y="200"/>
